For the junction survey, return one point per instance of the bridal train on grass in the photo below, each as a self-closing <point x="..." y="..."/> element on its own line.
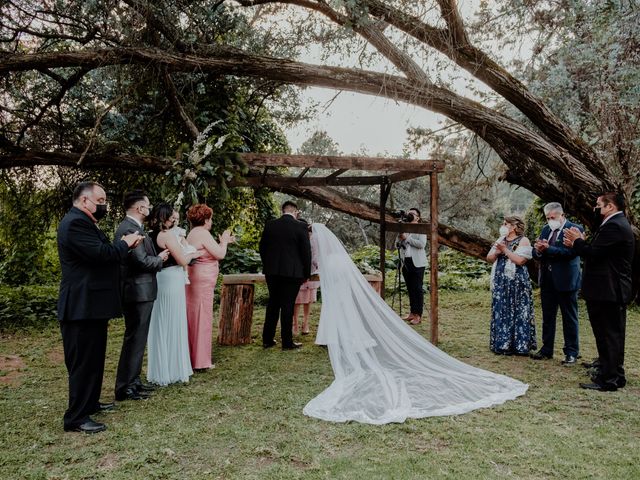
<point x="384" y="371"/>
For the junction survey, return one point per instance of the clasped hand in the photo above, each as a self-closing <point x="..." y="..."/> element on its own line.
<point x="500" y="246"/>
<point x="571" y="235"/>
<point x="227" y="237"/>
<point x="541" y="245"/>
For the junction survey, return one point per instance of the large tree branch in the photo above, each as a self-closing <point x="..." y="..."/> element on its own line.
<point x="177" y="106"/>
<point x="454" y="22"/>
<point x="364" y="27"/>
<point x="457" y="48"/>
<point x="487" y="123"/>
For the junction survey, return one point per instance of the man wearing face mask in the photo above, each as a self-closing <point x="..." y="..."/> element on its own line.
<point x="559" y="279"/>
<point x="606" y="286"/>
<point x="139" y="290"/>
<point x="89" y="297"/>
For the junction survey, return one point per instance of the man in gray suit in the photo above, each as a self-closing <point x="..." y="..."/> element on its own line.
<point x="139" y="290"/>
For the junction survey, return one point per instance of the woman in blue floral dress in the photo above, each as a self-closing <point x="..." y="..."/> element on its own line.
<point x="513" y="331"/>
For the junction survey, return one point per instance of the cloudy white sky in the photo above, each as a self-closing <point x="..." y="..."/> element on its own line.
<point x="358" y="122"/>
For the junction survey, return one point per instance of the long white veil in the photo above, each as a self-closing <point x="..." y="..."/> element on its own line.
<point x="385" y="371"/>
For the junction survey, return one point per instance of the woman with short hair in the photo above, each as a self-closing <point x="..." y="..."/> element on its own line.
<point x="203" y="275"/>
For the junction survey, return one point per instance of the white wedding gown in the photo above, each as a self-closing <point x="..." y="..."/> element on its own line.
<point x="385" y="371"/>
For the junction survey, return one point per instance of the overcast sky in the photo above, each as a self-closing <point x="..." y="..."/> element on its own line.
<point x="355" y="121"/>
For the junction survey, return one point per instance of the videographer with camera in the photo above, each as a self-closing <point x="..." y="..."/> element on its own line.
<point x="411" y="247"/>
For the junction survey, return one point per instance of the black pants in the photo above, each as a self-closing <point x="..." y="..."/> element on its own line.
<point x="608" y="322"/>
<point x="136" y="318"/>
<point x="551" y="299"/>
<point x="413" y="278"/>
<point x="282" y="297"/>
<point x="85" y="346"/>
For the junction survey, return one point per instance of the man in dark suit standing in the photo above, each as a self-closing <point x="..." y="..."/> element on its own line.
<point x="139" y="290"/>
<point x="606" y="286"/>
<point x="89" y="297"/>
<point x="285" y="251"/>
<point x="559" y="279"/>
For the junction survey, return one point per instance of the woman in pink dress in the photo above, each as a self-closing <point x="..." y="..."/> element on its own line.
<point x="203" y="276"/>
<point x="307" y="294"/>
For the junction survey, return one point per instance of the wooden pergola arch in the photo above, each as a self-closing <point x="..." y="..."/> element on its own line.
<point x="387" y="172"/>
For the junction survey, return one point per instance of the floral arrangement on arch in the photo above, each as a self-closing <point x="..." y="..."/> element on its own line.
<point x="210" y="165"/>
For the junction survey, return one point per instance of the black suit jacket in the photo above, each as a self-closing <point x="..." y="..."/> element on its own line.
<point x="285" y="249"/>
<point x="90" y="284"/>
<point x="607" y="262"/>
<point x="138" y="271"/>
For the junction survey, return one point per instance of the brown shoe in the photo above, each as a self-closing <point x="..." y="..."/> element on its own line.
<point x="409" y="317"/>
<point x="416" y="320"/>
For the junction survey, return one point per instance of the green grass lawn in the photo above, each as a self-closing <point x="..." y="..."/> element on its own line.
<point x="244" y="419"/>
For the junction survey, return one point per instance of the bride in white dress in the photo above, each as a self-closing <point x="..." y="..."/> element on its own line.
<point x="385" y="371"/>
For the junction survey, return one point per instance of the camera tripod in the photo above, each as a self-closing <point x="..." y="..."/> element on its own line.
<point x="397" y="283"/>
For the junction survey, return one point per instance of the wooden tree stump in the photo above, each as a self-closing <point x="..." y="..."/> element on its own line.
<point x="236" y="308"/>
<point x="375" y="281"/>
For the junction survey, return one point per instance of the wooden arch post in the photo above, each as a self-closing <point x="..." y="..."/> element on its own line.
<point x="433" y="256"/>
<point x="385" y="190"/>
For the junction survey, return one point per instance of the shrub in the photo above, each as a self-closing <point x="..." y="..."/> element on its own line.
<point x="241" y="260"/>
<point x="367" y="259"/>
<point x="27" y="306"/>
<point x="453" y="262"/>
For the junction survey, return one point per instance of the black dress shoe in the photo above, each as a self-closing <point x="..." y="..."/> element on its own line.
<point x="540" y="355"/>
<point x="145" y="387"/>
<point x="273" y="343"/>
<point x="131" y="394"/>
<point x="293" y="346"/>
<point x="569" y="360"/>
<point x="87" y="427"/>
<point x="105" y="407"/>
<point x="595" y="363"/>
<point x="598" y="387"/>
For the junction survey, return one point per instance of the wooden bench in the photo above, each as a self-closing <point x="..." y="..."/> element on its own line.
<point x="236" y="305"/>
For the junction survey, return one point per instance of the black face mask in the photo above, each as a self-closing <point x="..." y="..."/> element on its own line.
<point x="101" y="211"/>
<point x="597" y="215"/>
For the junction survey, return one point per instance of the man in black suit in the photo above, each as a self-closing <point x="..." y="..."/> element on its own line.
<point x="89" y="297"/>
<point x="606" y="286"/>
<point x="139" y="290"/>
<point x="285" y="251"/>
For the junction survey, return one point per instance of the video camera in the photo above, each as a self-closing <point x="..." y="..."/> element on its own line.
<point x="404" y="217"/>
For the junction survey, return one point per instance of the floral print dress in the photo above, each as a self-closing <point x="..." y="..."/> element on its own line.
<point x="513" y="330"/>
